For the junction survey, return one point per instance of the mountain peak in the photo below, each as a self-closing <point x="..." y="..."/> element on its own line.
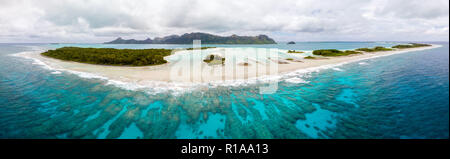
<point x="206" y="38"/>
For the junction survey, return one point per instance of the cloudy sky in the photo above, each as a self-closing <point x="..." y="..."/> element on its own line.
<point x="284" y="20"/>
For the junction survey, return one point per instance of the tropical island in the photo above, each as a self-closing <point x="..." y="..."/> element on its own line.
<point x="110" y="56"/>
<point x="204" y="37"/>
<point x="410" y="45"/>
<point x="114" y="57"/>
<point x="141" y="65"/>
<point x="148" y="57"/>
<point x="334" y="52"/>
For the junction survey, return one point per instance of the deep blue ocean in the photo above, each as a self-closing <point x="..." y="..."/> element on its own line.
<point x="399" y="96"/>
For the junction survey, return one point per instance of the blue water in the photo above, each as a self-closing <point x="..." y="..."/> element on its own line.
<point x="398" y="96"/>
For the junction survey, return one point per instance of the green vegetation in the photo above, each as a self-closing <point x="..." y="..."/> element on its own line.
<point x="375" y="49"/>
<point x="419" y="45"/>
<point x="349" y="52"/>
<point x="202" y="48"/>
<point x="365" y="49"/>
<point x="214" y="59"/>
<point x="334" y="52"/>
<point x="290" y="59"/>
<point x="109" y="56"/>
<point x="293" y="51"/>
<point x="380" y="48"/>
<point x="410" y="45"/>
<point x="310" y="57"/>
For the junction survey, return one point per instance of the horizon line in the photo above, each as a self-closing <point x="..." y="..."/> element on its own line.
<point x="223" y="44"/>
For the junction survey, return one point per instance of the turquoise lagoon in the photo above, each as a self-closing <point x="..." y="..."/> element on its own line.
<point x="397" y="96"/>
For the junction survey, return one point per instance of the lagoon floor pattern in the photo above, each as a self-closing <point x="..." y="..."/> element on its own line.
<point x="398" y="96"/>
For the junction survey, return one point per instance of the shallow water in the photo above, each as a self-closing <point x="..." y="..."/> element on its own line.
<point x="398" y="96"/>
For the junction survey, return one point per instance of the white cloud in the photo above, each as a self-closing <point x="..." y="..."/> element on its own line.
<point x="300" y="20"/>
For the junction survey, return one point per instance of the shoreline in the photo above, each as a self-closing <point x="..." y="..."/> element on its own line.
<point x="163" y="75"/>
<point x="349" y="59"/>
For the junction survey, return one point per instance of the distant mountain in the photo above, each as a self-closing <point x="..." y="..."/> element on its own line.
<point x="204" y="37"/>
<point x="130" y="41"/>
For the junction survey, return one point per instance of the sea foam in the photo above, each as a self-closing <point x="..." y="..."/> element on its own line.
<point x="154" y="87"/>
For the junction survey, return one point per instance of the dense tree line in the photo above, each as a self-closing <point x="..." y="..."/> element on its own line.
<point x="334" y="52"/>
<point x="110" y="56"/>
<point x="411" y="45"/>
<point x="375" y="49"/>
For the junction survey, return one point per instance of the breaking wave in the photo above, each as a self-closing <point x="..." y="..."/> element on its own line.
<point x="154" y="87"/>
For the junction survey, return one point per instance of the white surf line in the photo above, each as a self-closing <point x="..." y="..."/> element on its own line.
<point x="154" y="87"/>
<point x="330" y="66"/>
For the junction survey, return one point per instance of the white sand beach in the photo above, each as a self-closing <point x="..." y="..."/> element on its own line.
<point x="188" y="67"/>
